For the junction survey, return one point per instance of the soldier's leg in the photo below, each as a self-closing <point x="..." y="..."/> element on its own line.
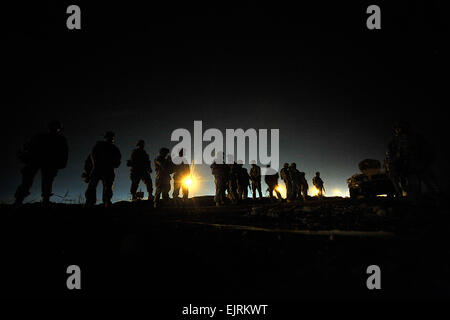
<point x="91" y="191"/>
<point x="396" y="183"/>
<point x="166" y="190"/>
<point x="135" y="179"/>
<point x="270" y="191"/>
<point x="239" y="192"/>
<point x="28" y="174"/>
<point x="288" y="189"/>
<point x="253" y="190"/>
<point x="233" y="190"/>
<point x="48" y="176"/>
<point x="216" y="195"/>
<point x="278" y="194"/>
<point x="158" y="192"/>
<point x="223" y="188"/>
<point x="306" y="191"/>
<point x="294" y="194"/>
<point x="258" y="186"/>
<point x="108" y="182"/>
<point x="185" y="192"/>
<point x="148" y="184"/>
<point x="176" y="188"/>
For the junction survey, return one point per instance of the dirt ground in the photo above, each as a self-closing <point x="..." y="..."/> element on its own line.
<point x="255" y="250"/>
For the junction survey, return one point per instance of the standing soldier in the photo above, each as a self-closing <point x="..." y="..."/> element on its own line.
<point x="220" y="171"/>
<point x="140" y="169"/>
<point x="255" y="176"/>
<point x="287" y="180"/>
<point x="233" y="182"/>
<point x="182" y="171"/>
<point x="163" y="169"/>
<point x="295" y="181"/>
<point x="271" y="179"/>
<point x="47" y="152"/>
<point x="411" y="157"/>
<point x="105" y="158"/>
<point x="303" y="185"/>
<point x="318" y="183"/>
<point x="243" y="182"/>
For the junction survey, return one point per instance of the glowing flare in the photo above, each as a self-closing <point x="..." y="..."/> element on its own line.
<point x="313" y="191"/>
<point x="188" y="181"/>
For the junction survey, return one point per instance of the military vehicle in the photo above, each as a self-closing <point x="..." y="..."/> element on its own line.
<point x="371" y="182"/>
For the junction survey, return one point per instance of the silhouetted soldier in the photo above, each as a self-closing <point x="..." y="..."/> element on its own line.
<point x="271" y="179"/>
<point x="318" y="183"/>
<point x="295" y="182"/>
<point x="410" y="161"/>
<point x="105" y="158"/>
<point x="164" y="168"/>
<point x="220" y="171"/>
<point x="140" y="169"/>
<point x="182" y="172"/>
<point x="243" y="182"/>
<point x="287" y="180"/>
<point x="255" y="177"/>
<point x="303" y="185"/>
<point x="47" y="152"/>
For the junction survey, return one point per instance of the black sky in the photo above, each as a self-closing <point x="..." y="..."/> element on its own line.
<point x="330" y="85"/>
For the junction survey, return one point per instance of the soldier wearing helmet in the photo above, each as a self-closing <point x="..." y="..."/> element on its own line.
<point x="295" y="181"/>
<point x="318" y="183"/>
<point x="47" y="152"/>
<point x="287" y="180"/>
<point x="105" y="157"/>
<point x="255" y="177"/>
<point x="140" y="169"/>
<point x="410" y="160"/>
<point x="243" y="181"/>
<point x="164" y="167"/>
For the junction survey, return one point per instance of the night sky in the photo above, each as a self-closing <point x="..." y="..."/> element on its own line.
<point x="315" y="72"/>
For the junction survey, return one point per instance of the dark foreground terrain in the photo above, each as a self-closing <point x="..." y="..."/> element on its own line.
<point x="256" y="250"/>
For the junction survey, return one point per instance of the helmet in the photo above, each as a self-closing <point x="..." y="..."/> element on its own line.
<point x="403" y="125"/>
<point x="54" y="126"/>
<point x="109" y="135"/>
<point x="140" y="143"/>
<point x="164" y="151"/>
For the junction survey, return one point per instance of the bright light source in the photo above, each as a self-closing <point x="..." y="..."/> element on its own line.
<point x="188" y="181"/>
<point x="313" y="191"/>
<point x="338" y="193"/>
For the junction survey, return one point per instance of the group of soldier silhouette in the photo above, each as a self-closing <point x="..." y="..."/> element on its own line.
<point x="407" y="164"/>
<point x="233" y="180"/>
<point x="48" y="152"/>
